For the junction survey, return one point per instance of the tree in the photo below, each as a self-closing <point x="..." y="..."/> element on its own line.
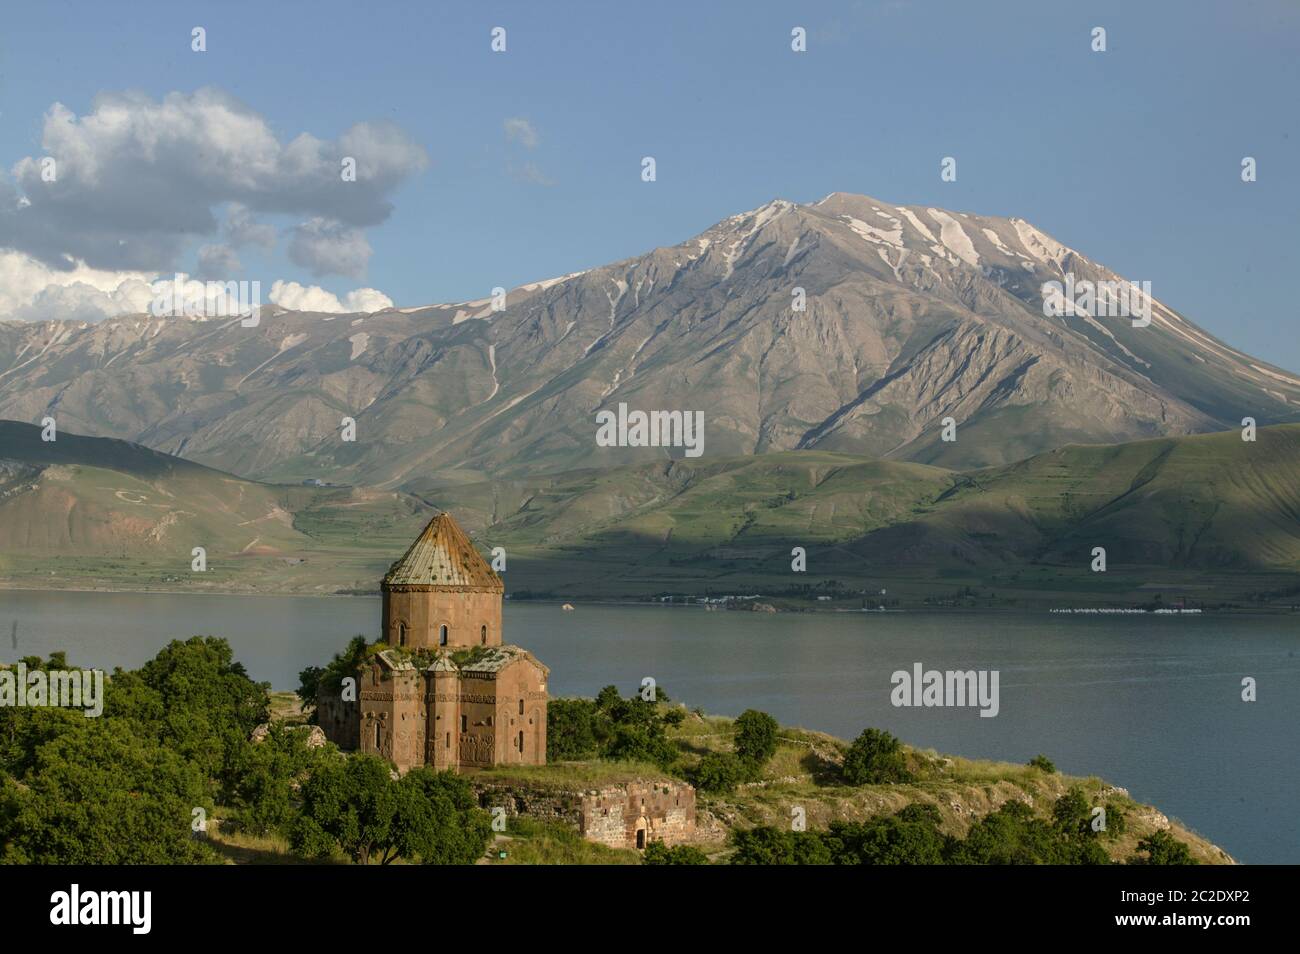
<point x="202" y="704"/>
<point x="267" y="775"/>
<point x="875" y="758"/>
<point x="909" y="837"/>
<point x="755" y="736"/>
<point x="354" y="805"/>
<point x="719" y="772"/>
<point x="349" y="806"/>
<point x="1162" y="848"/>
<point x="439" y="820"/>
<point x="657" y="853"/>
<point x="771" y="846"/>
<point x="570" y="730"/>
<point x="99" y="794"/>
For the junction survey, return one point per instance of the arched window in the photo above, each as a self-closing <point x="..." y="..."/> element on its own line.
<point x="442" y="635"/>
<point x="401" y="634"/>
<point x="483" y="635"/>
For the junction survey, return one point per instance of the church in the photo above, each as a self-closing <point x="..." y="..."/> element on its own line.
<point x="447" y="691"/>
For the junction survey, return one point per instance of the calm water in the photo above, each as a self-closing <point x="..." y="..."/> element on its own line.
<point x="1149" y="703"/>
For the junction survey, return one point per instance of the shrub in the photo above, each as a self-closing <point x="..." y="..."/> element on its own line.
<point x="1042" y="762"/>
<point x="875" y="758"/>
<point x="719" y="772"/>
<point x="1162" y="848"/>
<point x="657" y="853"/>
<point x="755" y="736"/>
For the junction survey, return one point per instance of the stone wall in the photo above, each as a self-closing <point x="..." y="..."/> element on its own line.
<point x="634" y="814"/>
<point x="341" y="721"/>
<point x="613" y="815"/>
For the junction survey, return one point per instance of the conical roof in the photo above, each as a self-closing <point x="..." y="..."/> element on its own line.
<point x="443" y="557"/>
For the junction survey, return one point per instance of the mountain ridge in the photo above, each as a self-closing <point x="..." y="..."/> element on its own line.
<point x="914" y="314"/>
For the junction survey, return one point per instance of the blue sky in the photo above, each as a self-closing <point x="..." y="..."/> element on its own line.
<point x="1132" y="155"/>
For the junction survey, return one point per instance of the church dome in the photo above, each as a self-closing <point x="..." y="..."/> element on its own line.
<point x="443" y="558"/>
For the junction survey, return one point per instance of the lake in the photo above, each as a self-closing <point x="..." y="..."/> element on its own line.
<point x="1150" y="703"/>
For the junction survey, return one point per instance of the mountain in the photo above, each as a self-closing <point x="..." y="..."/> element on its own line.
<point x="913" y="315"/>
<point x="1206" y="502"/>
<point x="1207" y="513"/>
<point x="86" y="511"/>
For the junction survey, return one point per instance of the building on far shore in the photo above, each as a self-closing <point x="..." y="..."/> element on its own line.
<point x="447" y="692"/>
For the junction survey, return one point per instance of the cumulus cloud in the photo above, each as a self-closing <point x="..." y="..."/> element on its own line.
<point x="136" y="179"/>
<point x="296" y="297"/>
<point x="218" y="261"/>
<point x="31" y="291"/>
<point x="522" y="131"/>
<point x="241" y="229"/>
<point x="330" y="248"/>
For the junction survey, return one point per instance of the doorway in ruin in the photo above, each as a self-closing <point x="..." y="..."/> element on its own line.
<point x="642" y="830"/>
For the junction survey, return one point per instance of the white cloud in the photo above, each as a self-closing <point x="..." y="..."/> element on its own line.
<point x="328" y="247"/>
<point x="518" y="129"/>
<point x="218" y="261"/>
<point x="138" y="179"/>
<point x="296" y="297"/>
<point x="31" y="291"/>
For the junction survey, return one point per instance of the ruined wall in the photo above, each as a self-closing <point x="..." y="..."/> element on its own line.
<point x="339" y="720"/>
<point x="663" y="810"/>
<point x="612" y="815"/>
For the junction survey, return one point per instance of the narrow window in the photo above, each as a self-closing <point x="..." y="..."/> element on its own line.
<point x="448" y="740"/>
<point x="521" y="742"/>
<point x="464" y="723"/>
<point x="442" y="635"/>
<point x="483" y="636"/>
<point x="401" y="634"/>
<point x="521" y="707"/>
<point x="379" y="734"/>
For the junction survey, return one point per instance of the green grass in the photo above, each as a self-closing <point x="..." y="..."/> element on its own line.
<point x="1208" y="516"/>
<point x="531" y="842"/>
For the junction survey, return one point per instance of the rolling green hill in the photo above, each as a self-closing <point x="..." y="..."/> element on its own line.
<point x="1208" y="517"/>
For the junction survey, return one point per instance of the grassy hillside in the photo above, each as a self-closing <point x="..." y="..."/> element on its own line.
<point x="1210" y="516"/>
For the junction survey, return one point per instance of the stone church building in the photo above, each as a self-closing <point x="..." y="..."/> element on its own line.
<point x="447" y="692"/>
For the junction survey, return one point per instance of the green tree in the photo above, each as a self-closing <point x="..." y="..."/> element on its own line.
<point x="1162" y="848"/>
<point x="719" y="773"/>
<point x="875" y="758"/>
<point x="908" y="837"/>
<point x="349" y="806"/>
<point x="267" y="775"/>
<point x="571" y="730"/>
<point x="99" y="794"/>
<point x="439" y="820"/>
<point x="755" y="736"/>
<point x="771" y="846"/>
<point x="657" y="853"/>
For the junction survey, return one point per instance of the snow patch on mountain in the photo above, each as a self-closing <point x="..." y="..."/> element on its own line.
<point x="954" y="237"/>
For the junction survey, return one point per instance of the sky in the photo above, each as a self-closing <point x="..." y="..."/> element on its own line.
<point x="480" y="169"/>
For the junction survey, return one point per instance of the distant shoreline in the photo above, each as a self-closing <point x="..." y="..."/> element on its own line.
<point x="578" y="601"/>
